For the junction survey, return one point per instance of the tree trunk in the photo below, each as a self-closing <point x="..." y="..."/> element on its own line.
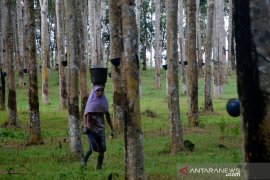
<point x="230" y="39"/>
<point x="158" y="56"/>
<point x="220" y="60"/>
<point x="193" y="112"/>
<point x="30" y="57"/>
<point x="182" y="47"/>
<point x="173" y="78"/>
<point x="52" y="43"/>
<point x="73" y="89"/>
<point x="19" y="42"/>
<point x="95" y="34"/>
<point x="253" y="79"/>
<point x="45" y="49"/>
<point x="2" y="78"/>
<point x="198" y="39"/>
<point x="208" y="104"/>
<point x="61" y="52"/>
<point x="138" y="22"/>
<point x="116" y="47"/>
<point x="144" y="37"/>
<point x="184" y="79"/>
<point x="134" y="158"/>
<point x="92" y="22"/>
<point x="99" y="47"/>
<point x="104" y="27"/>
<point x="9" y="60"/>
<point x="151" y="3"/>
<point x="82" y="53"/>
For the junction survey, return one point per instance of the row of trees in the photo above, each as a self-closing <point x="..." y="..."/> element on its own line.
<point x="72" y="62"/>
<point x="72" y="29"/>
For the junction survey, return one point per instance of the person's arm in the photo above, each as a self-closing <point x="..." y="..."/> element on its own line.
<point x="88" y="123"/>
<point x="109" y="120"/>
<point x="85" y="124"/>
<point x="84" y="119"/>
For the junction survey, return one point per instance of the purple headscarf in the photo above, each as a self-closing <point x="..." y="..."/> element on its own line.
<point x="96" y="104"/>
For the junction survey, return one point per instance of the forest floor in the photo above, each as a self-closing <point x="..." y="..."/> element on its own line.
<point x="217" y="141"/>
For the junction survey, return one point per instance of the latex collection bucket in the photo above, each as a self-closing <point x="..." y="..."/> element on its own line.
<point x="98" y="75"/>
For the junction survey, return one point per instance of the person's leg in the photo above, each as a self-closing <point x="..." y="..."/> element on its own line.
<point x="89" y="151"/>
<point x="102" y="148"/>
<point x="86" y="156"/>
<point x="100" y="160"/>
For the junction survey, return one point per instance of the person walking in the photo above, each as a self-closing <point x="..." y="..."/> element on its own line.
<point x="94" y="124"/>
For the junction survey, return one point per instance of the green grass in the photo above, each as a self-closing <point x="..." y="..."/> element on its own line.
<point x="53" y="160"/>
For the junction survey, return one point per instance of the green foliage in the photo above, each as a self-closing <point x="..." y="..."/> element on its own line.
<point x="12" y="134"/>
<point x="222" y="125"/>
<point x="53" y="160"/>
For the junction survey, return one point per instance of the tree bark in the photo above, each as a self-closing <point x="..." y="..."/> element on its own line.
<point x="253" y="79"/>
<point x="220" y="60"/>
<point x="61" y="52"/>
<point x="2" y="78"/>
<point x="198" y="39"/>
<point x="138" y="22"/>
<point x="158" y="55"/>
<point x="19" y="42"/>
<point x="208" y="104"/>
<point x="44" y="49"/>
<point x="73" y="86"/>
<point x="30" y="57"/>
<point x="134" y="158"/>
<point x="92" y="22"/>
<point x="230" y="39"/>
<point x="82" y="53"/>
<point x="116" y="47"/>
<point x="173" y="78"/>
<point x="193" y="112"/>
<point x="99" y="46"/>
<point x="182" y="47"/>
<point x="9" y="59"/>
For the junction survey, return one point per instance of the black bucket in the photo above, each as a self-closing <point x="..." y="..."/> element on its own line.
<point x="115" y="61"/>
<point x="165" y="66"/>
<point x="64" y="63"/>
<point x="98" y="75"/>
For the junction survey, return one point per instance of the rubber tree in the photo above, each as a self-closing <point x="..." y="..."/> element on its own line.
<point x="208" y="103"/>
<point x="116" y="47"/>
<point x="19" y="42"/>
<point x="182" y="47"/>
<point x="193" y="112"/>
<point x="176" y="132"/>
<point x="82" y="52"/>
<point x="2" y="78"/>
<point x="73" y="78"/>
<point x="31" y="58"/>
<point x="45" y="54"/>
<point x="158" y="54"/>
<point x="252" y="29"/>
<point x="9" y="60"/>
<point x="60" y="37"/>
<point x="134" y="157"/>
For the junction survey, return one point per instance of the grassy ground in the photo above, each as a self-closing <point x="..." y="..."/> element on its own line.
<point x="217" y="141"/>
